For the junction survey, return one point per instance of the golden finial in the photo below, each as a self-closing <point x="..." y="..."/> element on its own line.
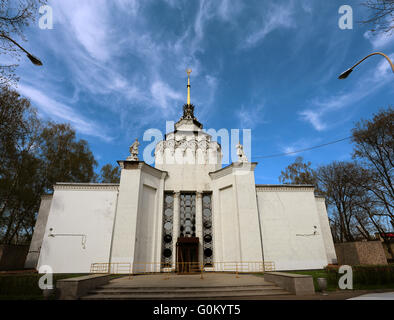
<point x="188" y="71"/>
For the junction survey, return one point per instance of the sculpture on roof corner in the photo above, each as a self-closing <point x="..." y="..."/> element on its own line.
<point x="134" y="151"/>
<point x="241" y="153"/>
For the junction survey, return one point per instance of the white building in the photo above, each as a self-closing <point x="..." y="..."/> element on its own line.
<point x="185" y="209"/>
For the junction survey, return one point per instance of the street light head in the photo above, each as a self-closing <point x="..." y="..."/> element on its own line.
<point x="34" y="60"/>
<point x="345" y="74"/>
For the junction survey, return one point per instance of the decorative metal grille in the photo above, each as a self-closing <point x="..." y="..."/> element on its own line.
<point x="168" y="216"/>
<point x="188" y="215"/>
<point x="207" y="229"/>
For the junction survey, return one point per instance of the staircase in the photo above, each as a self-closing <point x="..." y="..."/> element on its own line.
<point x="128" y="290"/>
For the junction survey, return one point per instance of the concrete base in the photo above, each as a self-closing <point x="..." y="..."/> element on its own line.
<point x="74" y="288"/>
<point x="295" y="283"/>
<point x="186" y="287"/>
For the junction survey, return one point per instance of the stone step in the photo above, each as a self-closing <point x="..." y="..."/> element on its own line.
<point x="161" y="290"/>
<point x="183" y="295"/>
<point x="224" y="287"/>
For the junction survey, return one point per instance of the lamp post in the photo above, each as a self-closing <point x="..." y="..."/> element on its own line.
<point x="32" y="58"/>
<point x="346" y="73"/>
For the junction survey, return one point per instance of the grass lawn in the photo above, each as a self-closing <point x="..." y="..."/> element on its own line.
<point x="24" y="286"/>
<point x="333" y="287"/>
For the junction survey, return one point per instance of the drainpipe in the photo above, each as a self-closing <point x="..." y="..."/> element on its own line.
<point x="261" y="234"/>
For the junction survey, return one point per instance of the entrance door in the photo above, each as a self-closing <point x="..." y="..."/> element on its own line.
<point x="187" y="255"/>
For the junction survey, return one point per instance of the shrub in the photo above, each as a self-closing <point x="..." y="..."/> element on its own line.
<point x="364" y="275"/>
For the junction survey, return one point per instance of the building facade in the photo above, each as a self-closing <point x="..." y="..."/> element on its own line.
<point x="185" y="209"/>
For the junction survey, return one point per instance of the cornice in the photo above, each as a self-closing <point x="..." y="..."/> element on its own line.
<point x="144" y="167"/>
<point x="86" y="186"/>
<point x="232" y="168"/>
<point x="287" y="187"/>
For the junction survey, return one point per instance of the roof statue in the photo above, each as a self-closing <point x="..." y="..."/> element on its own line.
<point x="241" y="153"/>
<point x="134" y="151"/>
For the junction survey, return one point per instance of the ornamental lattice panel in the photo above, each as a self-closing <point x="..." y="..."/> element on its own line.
<point x="187" y="215"/>
<point x="207" y="229"/>
<point x="168" y="217"/>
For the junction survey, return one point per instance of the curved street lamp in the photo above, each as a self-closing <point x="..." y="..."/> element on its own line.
<point x="32" y="58"/>
<point x="346" y="73"/>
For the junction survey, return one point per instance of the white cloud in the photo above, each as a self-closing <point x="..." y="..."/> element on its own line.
<point x="369" y="82"/>
<point x="278" y="16"/>
<point x="380" y="39"/>
<point x="314" y="118"/>
<point x="163" y="95"/>
<point x="62" y="112"/>
<point x="251" y="116"/>
<point x="88" y="21"/>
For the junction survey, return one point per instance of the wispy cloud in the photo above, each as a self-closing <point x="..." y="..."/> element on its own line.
<point x="59" y="111"/>
<point x="300" y="144"/>
<point x="380" y="39"/>
<point x="163" y="95"/>
<point x="278" y="16"/>
<point x="250" y="117"/>
<point x="371" y="81"/>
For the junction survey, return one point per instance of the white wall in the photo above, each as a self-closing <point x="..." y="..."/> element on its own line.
<point x="39" y="231"/>
<point x="138" y="221"/>
<point x="79" y="209"/>
<point x="288" y="216"/>
<point x="235" y="217"/>
<point x="326" y="230"/>
<point x="230" y="240"/>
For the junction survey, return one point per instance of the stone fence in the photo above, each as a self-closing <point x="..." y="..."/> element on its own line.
<point x="361" y="252"/>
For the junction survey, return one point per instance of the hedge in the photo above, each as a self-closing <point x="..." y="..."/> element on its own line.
<point x="364" y="275"/>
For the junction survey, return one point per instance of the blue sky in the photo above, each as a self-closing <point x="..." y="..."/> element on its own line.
<point x="116" y="68"/>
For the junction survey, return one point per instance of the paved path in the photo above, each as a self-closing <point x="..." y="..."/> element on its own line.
<point x="186" y="287"/>
<point x="218" y="286"/>
<point x="375" y="296"/>
<point x="191" y="281"/>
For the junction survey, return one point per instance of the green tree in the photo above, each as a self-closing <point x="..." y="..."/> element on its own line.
<point x="20" y="182"/>
<point x="109" y="174"/>
<point x="33" y="157"/>
<point x="65" y="159"/>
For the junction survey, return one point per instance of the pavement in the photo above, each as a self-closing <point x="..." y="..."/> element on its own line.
<point x="375" y="296"/>
<point x="224" y="280"/>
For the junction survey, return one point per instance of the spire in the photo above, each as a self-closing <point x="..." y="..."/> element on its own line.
<point x="188" y="108"/>
<point x="188" y="71"/>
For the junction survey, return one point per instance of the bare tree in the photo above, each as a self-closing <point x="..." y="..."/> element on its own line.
<point x="382" y="17"/>
<point x="15" y="16"/>
<point x="374" y="146"/>
<point x="342" y="184"/>
<point x="299" y="172"/>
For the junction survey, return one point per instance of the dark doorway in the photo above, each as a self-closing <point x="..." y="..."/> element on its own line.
<point x="187" y="255"/>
